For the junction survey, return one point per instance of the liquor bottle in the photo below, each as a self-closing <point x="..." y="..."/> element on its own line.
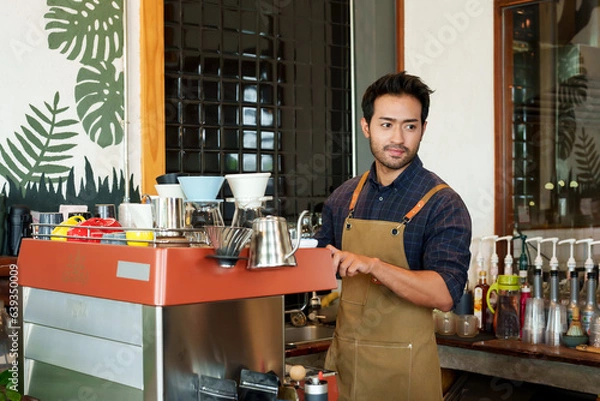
<point x="480" y="308"/>
<point x="571" y="300"/>
<point x="525" y="295"/>
<point x="523" y="263"/>
<point x="587" y="312"/>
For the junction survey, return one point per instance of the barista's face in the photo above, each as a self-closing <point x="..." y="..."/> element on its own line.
<point x="394" y="134"/>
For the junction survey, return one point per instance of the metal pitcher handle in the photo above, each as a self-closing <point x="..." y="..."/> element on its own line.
<point x="298" y="236"/>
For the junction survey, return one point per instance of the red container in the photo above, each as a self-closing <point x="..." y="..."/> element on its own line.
<point x="92" y="230"/>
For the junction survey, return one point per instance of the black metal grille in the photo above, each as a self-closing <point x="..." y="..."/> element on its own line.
<point x="260" y="86"/>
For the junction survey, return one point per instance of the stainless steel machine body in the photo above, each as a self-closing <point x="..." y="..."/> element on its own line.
<point x="79" y="347"/>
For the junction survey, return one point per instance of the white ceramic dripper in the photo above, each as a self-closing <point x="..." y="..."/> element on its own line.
<point x="249" y="197"/>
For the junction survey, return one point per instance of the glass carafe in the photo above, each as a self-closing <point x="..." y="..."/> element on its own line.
<point x="248" y="209"/>
<point x="506" y="315"/>
<point x="199" y="214"/>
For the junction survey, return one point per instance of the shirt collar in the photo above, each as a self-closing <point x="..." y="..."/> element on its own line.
<point x="406" y="176"/>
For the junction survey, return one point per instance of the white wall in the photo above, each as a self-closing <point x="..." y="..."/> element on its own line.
<point x="33" y="73"/>
<point x="449" y="44"/>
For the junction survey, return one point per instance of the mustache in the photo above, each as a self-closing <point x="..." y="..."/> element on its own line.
<point x="398" y="147"/>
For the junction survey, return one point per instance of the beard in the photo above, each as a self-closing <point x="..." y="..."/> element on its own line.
<point x="393" y="162"/>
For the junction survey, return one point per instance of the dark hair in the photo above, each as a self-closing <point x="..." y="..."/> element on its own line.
<point x="399" y="83"/>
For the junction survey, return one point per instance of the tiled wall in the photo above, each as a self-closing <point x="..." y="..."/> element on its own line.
<point x="257" y="85"/>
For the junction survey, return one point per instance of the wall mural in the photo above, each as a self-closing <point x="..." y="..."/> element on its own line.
<point x="67" y="148"/>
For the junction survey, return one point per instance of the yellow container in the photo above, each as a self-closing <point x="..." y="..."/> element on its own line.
<point x="143" y="238"/>
<point x="64" y="227"/>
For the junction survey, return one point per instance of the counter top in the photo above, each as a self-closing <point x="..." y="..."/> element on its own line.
<point x="5" y="262"/>
<point x="307" y="348"/>
<point x="523" y="350"/>
<point x="561" y="367"/>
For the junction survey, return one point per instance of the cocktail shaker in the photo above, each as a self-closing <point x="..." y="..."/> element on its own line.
<point x="2" y="223"/>
<point x="315" y="389"/>
<point x="19" y="227"/>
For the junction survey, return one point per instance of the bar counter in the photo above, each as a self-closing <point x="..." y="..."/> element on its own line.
<point x="561" y="367"/>
<point x="5" y="271"/>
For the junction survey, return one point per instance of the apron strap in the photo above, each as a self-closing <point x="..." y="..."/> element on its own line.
<point x="422" y="202"/>
<point x="357" y="190"/>
<point x="409" y="216"/>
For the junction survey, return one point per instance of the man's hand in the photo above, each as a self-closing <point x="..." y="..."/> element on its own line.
<point x="423" y="287"/>
<point x="349" y="264"/>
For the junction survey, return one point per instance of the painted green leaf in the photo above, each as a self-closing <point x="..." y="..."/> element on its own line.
<point x="588" y="160"/>
<point x="90" y="29"/>
<point x="6" y="387"/>
<point x="99" y="97"/>
<point x="36" y="151"/>
<point x="571" y="93"/>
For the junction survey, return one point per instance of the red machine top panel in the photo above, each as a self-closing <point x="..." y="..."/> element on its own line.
<point x="163" y="276"/>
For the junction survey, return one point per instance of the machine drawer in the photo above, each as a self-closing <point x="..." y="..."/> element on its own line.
<point x="113" y="320"/>
<point x="105" y="359"/>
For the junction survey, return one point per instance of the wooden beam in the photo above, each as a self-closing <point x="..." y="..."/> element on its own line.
<point x="503" y="77"/>
<point x="399" y="35"/>
<point x="152" y="93"/>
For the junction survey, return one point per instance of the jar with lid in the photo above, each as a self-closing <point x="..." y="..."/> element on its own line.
<point x="507" y="311"/>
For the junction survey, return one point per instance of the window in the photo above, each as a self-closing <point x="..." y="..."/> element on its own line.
<point x="548" y="120"/>
<point x="260" y="86"/>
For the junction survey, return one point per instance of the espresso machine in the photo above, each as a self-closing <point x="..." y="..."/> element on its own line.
<point x="148" y="323"/>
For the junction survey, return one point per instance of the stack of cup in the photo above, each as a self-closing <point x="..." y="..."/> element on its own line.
<point x="47" y="223"/>
<point x="138" y="220"/>
<point x="594" y="331"/>
<point x="557" y="324"/>
<point x="105" y="211"/>
<point x="535" y="321"/>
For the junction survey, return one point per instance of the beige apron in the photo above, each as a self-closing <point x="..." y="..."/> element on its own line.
<point x="384" y="347"/>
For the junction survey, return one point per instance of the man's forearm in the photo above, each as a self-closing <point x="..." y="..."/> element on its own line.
<point x="422" y="287"/>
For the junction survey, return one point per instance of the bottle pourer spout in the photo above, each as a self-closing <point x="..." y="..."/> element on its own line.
<point x="479" y="257"/>
<point x="538" y="259"/>
<point x="508" y="259"/>
<point x="589" y="263"/>
<point x="553" y="259"/>
<point x="494" y="258"/>
<point x="571" y="264"/>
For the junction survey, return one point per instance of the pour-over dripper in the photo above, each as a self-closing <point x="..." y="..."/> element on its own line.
<point x="248" y="188"/>
<point x="228" y="243"/>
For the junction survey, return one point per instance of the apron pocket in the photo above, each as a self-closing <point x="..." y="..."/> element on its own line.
<point x="373" y="370"/>
<point x="355" y="289"/>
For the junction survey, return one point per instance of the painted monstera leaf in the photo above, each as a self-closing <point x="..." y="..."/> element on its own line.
<point x="588" y="160"/>
<point x="99" y="96"/>
<point x="571" y="93"/>
<point x="41" y="149"/>
<point x="90" y="29"/>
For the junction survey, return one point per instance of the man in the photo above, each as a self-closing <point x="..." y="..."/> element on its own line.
<point x="399" y="239"/>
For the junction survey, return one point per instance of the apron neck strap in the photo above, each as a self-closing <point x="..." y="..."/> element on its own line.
<point x="409" y="216"/>
<point x="357" y="190"/>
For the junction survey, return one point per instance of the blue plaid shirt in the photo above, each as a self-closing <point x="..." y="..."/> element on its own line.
<point x="437" y="238"/>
